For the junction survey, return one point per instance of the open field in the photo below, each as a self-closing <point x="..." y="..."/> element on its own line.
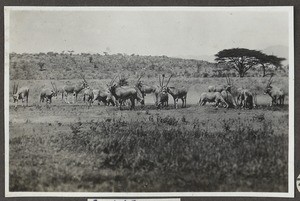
<point x="102" y="149"/>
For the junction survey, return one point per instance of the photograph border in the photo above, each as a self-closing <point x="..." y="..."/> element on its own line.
<point x="291" y="163"/>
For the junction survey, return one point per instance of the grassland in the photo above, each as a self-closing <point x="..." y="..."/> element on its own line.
<point x="101" y="149"/>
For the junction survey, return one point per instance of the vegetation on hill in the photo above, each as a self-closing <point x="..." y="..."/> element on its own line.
<point x="63" y="65"/>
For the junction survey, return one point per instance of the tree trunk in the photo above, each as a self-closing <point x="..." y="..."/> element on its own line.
<point x="241" y="70"/>
<point x="241" y="73"/>
<point x="264" y="70"/>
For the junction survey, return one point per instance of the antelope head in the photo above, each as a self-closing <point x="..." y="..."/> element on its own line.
<point x="269" y="87"/>
<point x="166" y="88"/>
<point x="139" y="82"/>
<point x="84" y="82"/>
<point x="112" y="86"/>
<point x="15" y="92"/>
<point x="229" y="84"/>
<point x="55" y="91"/>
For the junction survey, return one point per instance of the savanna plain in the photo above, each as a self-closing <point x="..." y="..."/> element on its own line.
<point x="75" y="148"/>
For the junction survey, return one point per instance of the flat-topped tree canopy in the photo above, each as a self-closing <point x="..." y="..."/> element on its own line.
<point x="242" y="59"/>
<point x="268" y="61"/>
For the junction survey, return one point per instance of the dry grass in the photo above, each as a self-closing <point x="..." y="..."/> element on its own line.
<point x="100" y="149"/>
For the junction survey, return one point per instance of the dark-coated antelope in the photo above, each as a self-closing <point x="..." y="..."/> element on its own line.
<point x="161" y="96"/>
<point x="276" y="93"/>
<point x="145" y="89"/>
<point x="177" y="93"/>
<point x="48" y="93"/>
<point x="20" y="94"/>
<point x="162" y="99"/>
<point x="74" y="90"/>
<point x="123" y="93"/>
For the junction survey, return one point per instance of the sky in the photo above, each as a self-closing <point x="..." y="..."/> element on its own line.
<point x="146" y="32"/>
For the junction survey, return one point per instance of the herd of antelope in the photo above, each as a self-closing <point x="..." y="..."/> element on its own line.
<point x="117" y="95"/>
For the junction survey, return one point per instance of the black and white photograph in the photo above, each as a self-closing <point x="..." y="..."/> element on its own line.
<point x="149" y="101"/>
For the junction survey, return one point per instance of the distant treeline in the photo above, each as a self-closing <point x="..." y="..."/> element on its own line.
<point x="60" y="66"/>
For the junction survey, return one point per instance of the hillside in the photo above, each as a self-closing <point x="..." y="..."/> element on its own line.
<point x="95" y="66"/>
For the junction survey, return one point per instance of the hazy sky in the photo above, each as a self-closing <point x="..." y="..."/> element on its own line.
<point x="171" y="33"/>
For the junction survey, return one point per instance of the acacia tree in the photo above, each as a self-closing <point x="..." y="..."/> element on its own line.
<point x="240" y="59"/>
<point x="41" y="65"/>
<point x="91" y="59"/>
<point x="269" y="61"/>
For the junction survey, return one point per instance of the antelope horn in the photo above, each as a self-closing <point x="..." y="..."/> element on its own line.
<point x="112" y="81"/>
<point x="159" y="80"/>
<point x="162" y="83"/>
<point x="17" y="88"/>
<point x="14" y="86"/>
<point x="139" y="78"/>
<point x="83" y="78"/>
<point x="270" y="80"/>
<point x="168" y="80"/>
<point x="53" y="86"/>
<point x="227" y="80"/>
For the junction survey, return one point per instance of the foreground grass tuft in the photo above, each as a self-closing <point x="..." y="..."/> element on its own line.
<point x="163" y="154"/>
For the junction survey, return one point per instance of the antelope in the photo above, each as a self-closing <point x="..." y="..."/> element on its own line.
<point x="162" y="100"/>
<point x="101" y="95"/>
<point x="145" y="89"/>
<point x="276" y="93"/>
<point x="123" y="93"/>
<point x="162" y="97"/>
<point x="20" y="94"/>
<point x="220" y="88"/>
<point x="246" y="99"/>
<point x="75" y="90"/>
<point x="176" y="93"/>
<point x="47" y="93"/>
<point x="89" y="93"/>
<point x="105" y="96"/>
<point x="212" y="97"/>
<point x="229" y="98"/>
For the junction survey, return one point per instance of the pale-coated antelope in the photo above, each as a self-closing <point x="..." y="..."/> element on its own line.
<point x="276" y="93"/>
<point x="220" y="88"/>
<point x="210" y="97"/>
<point x="20" y="94"/>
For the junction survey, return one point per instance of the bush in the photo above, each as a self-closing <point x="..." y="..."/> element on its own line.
<point x="238" y="157"/>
